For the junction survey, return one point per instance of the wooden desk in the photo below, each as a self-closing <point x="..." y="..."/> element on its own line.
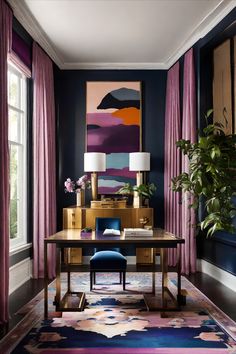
<point x="76" y="238"/>
<point x="81" y="217"/>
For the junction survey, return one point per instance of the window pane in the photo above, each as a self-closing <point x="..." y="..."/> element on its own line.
<point x="17" y="146"/>
<point x="14" y="158"/>
<point x="14" y="126"/>
<point x="14" y="90"/>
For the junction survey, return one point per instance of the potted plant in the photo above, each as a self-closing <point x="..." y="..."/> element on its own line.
<point x="211" y="176"/>
<point x="144" y="192"/>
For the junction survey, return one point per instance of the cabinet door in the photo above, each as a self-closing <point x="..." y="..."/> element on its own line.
<point x="73" y="219"/>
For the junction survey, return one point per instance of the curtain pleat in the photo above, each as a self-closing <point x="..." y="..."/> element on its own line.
<point x="44" y="153"/>
<point x="172" y="156"/>
<point x="179" y="218"/>
<point x="189" y="132"/>
<point x="5" y="44"/>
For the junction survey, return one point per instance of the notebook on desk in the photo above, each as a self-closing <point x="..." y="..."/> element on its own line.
<point x="138" y="232"/>
<point x="111" y="232"/>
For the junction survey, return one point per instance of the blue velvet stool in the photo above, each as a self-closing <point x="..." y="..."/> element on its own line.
<point x="107" y="260"/>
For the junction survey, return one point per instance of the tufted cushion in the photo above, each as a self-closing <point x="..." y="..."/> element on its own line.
<point x="105" y="260"/>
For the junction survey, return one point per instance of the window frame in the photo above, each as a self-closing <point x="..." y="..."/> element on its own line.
<point x="21" y="110"/>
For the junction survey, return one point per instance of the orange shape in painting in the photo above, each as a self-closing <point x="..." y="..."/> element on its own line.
<point x="130" y="116"/>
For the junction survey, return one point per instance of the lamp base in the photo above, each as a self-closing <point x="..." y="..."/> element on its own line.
<point x="137" y="201"/>
<point x="94" y="185"/>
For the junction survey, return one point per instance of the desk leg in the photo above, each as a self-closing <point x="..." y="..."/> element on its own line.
<point x="181" y="298"/>
<point x="58" y="274"/>
<point x="45" y="280"/>
<point x="154" y="273"/>
<point x="164" y="271"/>
<point x="68" y="282"/>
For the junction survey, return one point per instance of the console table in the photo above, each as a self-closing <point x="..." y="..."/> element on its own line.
<point x="73" y="301"/>
<point x="80" y="217"/>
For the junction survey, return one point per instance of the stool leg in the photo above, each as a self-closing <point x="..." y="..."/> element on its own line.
<point x="124" y="280"/>
<point x="120" y="277"/>
<point x="91" y="281"/>
<point x="94" y="277"/>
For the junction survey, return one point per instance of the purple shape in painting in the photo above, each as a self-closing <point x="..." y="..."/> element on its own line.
<point x="119" y="138"/>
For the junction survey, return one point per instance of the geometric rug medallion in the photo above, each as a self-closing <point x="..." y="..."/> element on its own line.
<point x="117" y="322"/>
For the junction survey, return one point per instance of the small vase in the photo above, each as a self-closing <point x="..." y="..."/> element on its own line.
<point x="137" y="201"/>
<point x="80" y="198"/>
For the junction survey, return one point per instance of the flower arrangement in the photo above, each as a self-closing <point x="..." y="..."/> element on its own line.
<point x="81" y="184"/>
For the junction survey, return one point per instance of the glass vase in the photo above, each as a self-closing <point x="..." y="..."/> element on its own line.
<point x="80" y="198"/>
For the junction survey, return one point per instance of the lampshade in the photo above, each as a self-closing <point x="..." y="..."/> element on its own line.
<point x="139" y="161"/>
<point x="94" y="162"/>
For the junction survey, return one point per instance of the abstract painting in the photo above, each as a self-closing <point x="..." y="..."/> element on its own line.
<point x="114" y="126"/>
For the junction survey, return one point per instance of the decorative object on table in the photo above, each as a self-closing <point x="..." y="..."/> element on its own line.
<point x="139" y="162"/>
<point x="211" y="176"/>
<point x="138" y="232"/>
<point x="78" y="187"/>
<point x="144" y="221"/>
<point x="94" y="162"/>
<point x="108" y="203"/>
<point x="114" y="126"/>
<point x="144" y="191"/>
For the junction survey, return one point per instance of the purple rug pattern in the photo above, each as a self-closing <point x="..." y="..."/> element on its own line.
<point x="118" y="322"/>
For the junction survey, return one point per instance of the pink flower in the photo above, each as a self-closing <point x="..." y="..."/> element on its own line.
<point x="69" y="184"/>
<point x="83" y="182"/>
<point x="74" y="187"/>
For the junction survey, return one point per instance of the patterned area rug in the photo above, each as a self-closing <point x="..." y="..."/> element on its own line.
<point x="117" y="322"/>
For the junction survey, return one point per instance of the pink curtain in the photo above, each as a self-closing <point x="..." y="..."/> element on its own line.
<point x="44" y="160"/>
<point x="5" y="45"/>
<point x="172" y="156"/>
<point x="189" y="133"/>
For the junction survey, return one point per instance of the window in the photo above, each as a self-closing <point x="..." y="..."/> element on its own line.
<point x="17" y="148"/>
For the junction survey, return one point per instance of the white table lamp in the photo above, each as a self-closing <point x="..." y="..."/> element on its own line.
<point x="94" y="162"/>
<point x="139" y="162"/>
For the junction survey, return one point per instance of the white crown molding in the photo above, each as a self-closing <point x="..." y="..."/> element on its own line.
<point x="114" y="66"/>
<point x="28" y="21"/>
<point x="205" y="26"/>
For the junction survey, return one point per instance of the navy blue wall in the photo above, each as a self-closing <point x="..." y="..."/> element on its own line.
<point x="71" y="115"/>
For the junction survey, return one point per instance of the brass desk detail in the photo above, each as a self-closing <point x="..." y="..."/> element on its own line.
<point x="73" y="301"/>
<point x="81" y="217"/>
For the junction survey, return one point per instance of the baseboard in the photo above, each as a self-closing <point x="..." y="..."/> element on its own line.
<point x="19" y="273"/>
<point x="221" y="275"/>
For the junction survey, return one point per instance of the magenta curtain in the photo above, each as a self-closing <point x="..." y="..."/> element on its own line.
<point x="189" y="133"/>
<point x="5" y="45"/>
<point x="44" y="160"/>
<point x="172" y="156"/>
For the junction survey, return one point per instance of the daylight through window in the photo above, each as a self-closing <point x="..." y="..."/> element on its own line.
<point x="17" y="149"/>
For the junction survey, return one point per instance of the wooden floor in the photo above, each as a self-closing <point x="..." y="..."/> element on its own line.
<point x="222" y="296"/>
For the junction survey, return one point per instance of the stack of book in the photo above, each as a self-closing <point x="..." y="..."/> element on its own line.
<point x="138" y="232"/>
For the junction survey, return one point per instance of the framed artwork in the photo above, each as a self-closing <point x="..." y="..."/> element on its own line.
<point x="113" y="126"/>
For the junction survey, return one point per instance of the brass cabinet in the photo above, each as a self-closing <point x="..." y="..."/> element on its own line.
<point x="80" y="217"/>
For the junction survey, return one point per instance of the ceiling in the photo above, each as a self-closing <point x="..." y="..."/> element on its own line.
<point x="118" y="34"/>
